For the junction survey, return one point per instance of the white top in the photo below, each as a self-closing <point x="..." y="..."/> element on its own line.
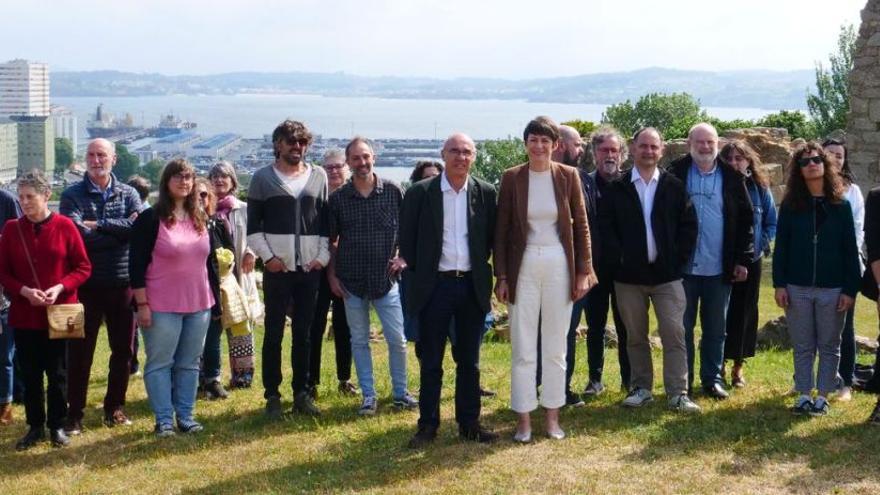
<point x="456" y="254"/>
<point x="295" y="185"/>
<point x="542" y="213"/>
<point x="646" y="197"/>
<point x="857" y="203"/>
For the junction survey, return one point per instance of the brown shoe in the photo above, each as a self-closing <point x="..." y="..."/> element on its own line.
<point x="5" y="413"/>
<point x="116" y="418"/>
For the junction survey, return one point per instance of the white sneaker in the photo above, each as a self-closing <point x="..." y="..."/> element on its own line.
<point x="844" y="394"/>
<point x="638" y="397"/>
<point x="684" y="404"/>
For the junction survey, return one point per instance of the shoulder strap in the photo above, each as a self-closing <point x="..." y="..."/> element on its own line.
<point x="27" y="253"/>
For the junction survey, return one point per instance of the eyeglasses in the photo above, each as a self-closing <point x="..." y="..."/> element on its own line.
<point x="203" y="194"/>
<point x="302" y="142"/>
<point x="803" y="162"/>
<point x="463" y="152"/>
<point x="332" y="167"/>
<point x="183" y="176"/>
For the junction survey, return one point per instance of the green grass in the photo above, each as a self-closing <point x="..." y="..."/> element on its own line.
<point x="748" y="444"/>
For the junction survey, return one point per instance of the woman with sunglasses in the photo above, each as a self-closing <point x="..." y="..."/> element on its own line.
<point x="836" y="152"/>
<point x="815" y="271"/>
<point x="176" y="288"/>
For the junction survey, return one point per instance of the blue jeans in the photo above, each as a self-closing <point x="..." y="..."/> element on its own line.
<point x="7" y="352"/>
<point x="713" y="295"/>
<point x="173" y="345"/>
<point x="357" y="312"/>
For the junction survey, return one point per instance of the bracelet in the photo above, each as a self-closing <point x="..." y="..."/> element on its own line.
<point x="143" y="304"/>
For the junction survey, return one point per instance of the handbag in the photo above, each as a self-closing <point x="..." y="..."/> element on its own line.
<point x="66" y="321"/>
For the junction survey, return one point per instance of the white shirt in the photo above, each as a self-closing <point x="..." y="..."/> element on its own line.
<point x="455" y="254"/>
<point x="294" y="185"/>
<point x="646" y="196"/>
<point x="543" y="214"/>
<point x="857" y="203"/>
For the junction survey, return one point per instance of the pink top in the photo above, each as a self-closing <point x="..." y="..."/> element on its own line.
<point x="177" y="278"/>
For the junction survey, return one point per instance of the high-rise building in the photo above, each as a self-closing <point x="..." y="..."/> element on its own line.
<point x="8" y="150"/>
<point x="64" y="123"/>
<point x="36" y="144"/>
<point x="24" y="88"/>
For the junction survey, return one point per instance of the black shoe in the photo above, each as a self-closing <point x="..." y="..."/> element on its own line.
<point x="73" y="427"/>
<point x="31" y="438"/>
<point x="424" y="436"/>
<point x="574" y="400"/>
<point x="486" y="392"/>
<point x="716" y="391"/>
<point x="59" y="438"/>
<point x="476" y="433"/>
<point x="313" y="391"/>
<point x="273" y="407"/>
<point x="214" y="390"/>
<point x="303" y="403"/>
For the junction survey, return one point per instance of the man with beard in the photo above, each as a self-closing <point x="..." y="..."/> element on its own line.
<point x="364" y="270"/>
<point x="287" y="228"/>
<point x="724" y="249"/>
<point x="609" y="153"/>
<point x="569" y="152"/>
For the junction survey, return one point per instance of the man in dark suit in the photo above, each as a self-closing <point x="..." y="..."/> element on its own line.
<point x="446" y="227"/>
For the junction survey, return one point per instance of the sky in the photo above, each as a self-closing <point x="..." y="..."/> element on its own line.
<point x="512" y="39"/>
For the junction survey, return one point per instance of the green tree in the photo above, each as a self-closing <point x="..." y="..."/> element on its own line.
<point x="126" y="163"/>
<point x="796" y="122"/>
<point x="496" y="156"/>
<point x="152" y="171"/>
<point x="726" y="125"/>
<point x="829" y="106"/>
<point x="63" y="155"/>
<point x="584" y="127"/>
<point x="673" y="114"/>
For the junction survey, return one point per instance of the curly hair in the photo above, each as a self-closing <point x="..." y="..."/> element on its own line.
<point x="287" y="130"/>
<point x="419" y="171"/>
<point x="797" y="195"/>
<point x="756" y="168"/>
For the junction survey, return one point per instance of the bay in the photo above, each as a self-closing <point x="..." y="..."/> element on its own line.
<point x="255" y="115"/>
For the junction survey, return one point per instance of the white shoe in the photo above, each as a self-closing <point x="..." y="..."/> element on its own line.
<point x="844" y="394"/>
<point x="684" y="404"/>
<point x="522" y="437"/>
<point x="637" y="397"/>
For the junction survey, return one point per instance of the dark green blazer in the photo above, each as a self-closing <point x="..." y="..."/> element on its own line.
<point x="421" y="239"/>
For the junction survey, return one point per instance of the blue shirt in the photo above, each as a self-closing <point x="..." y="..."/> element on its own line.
<point x="705" y="191"/>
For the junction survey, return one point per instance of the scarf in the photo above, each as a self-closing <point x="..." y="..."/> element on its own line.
<point x="224" y="207"/>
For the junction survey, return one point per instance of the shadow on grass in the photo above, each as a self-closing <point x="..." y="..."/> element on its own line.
<point x="765" y="431"/>
<point x="373" y="461"/>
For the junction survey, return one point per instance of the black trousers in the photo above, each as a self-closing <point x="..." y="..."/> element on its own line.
<point x="341" y="334"/>
<point x="598" y="301"/>
<point x="283" y="293"/>
<point x="452" y="298"/>
<point x="39" y="356"/>
<point x="742" y="316"/>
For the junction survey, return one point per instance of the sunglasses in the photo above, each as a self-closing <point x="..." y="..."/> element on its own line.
<point x="302" y="142"/>
<point x="803" y="162"/>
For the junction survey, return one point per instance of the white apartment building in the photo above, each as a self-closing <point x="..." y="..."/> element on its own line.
<point x="24" y="88"/>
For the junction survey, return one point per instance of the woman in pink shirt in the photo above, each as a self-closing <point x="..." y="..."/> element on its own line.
<point x="174" y="277"/>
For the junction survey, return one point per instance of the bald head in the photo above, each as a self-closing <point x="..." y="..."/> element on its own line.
<point x="703" y="144"/>
<point x="459" y="153"/>
<point x="100" y="158"/>
<point x="571" y="146"/>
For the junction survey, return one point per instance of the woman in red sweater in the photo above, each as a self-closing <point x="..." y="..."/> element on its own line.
<point x="59" y="258"/>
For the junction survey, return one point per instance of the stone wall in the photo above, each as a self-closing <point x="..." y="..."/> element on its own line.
<point x="863" y="121"/>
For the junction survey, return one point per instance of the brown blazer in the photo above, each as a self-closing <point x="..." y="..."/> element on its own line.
<point x="511" y="228"/>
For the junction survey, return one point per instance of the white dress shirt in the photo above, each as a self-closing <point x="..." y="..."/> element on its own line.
<point x="646" y="191"/>
<point x="455" y="254"/>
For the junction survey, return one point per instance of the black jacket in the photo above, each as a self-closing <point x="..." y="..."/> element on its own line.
<point x="739" y="236"/>
<point x="143" y="240"/>
<point x="624" y="240"/>
<point x="421" y="239"/>
<point x="106" y="245"/>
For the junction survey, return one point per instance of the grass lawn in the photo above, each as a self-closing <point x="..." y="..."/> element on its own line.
<point x="748" y="444"/>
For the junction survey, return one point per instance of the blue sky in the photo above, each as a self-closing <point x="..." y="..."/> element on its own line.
<point x="437" y="38"/>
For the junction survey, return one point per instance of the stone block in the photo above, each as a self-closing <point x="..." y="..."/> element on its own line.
<point x="775" y="173"/>
<point x="874" y="110"/>
<point x="778" y="192"/>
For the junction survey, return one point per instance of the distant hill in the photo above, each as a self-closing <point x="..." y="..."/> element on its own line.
<point x="759" y="88"/>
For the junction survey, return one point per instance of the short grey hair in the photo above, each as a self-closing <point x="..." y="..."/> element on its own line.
<point x="36" y="179"/>
<point x="333" y="153"/>
<point x="225" y="168"/>
<point x="604" y="133"/>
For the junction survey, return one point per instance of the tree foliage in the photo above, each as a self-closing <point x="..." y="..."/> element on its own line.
<point x="584" y="127"/>
<point x="796" y="122"/>
<point x="496" y="156"/>
<point x="829" y="106"/>
<point x="152" y="171"/>
<point x="127" y="164"/>
<point x="673" y="114"/>
<point x="63" y="155"/>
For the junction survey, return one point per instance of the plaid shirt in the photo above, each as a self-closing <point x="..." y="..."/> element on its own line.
<point x="367" y="232"/>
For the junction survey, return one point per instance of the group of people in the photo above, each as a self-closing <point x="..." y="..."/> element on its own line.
<point x="553" y="242"/>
